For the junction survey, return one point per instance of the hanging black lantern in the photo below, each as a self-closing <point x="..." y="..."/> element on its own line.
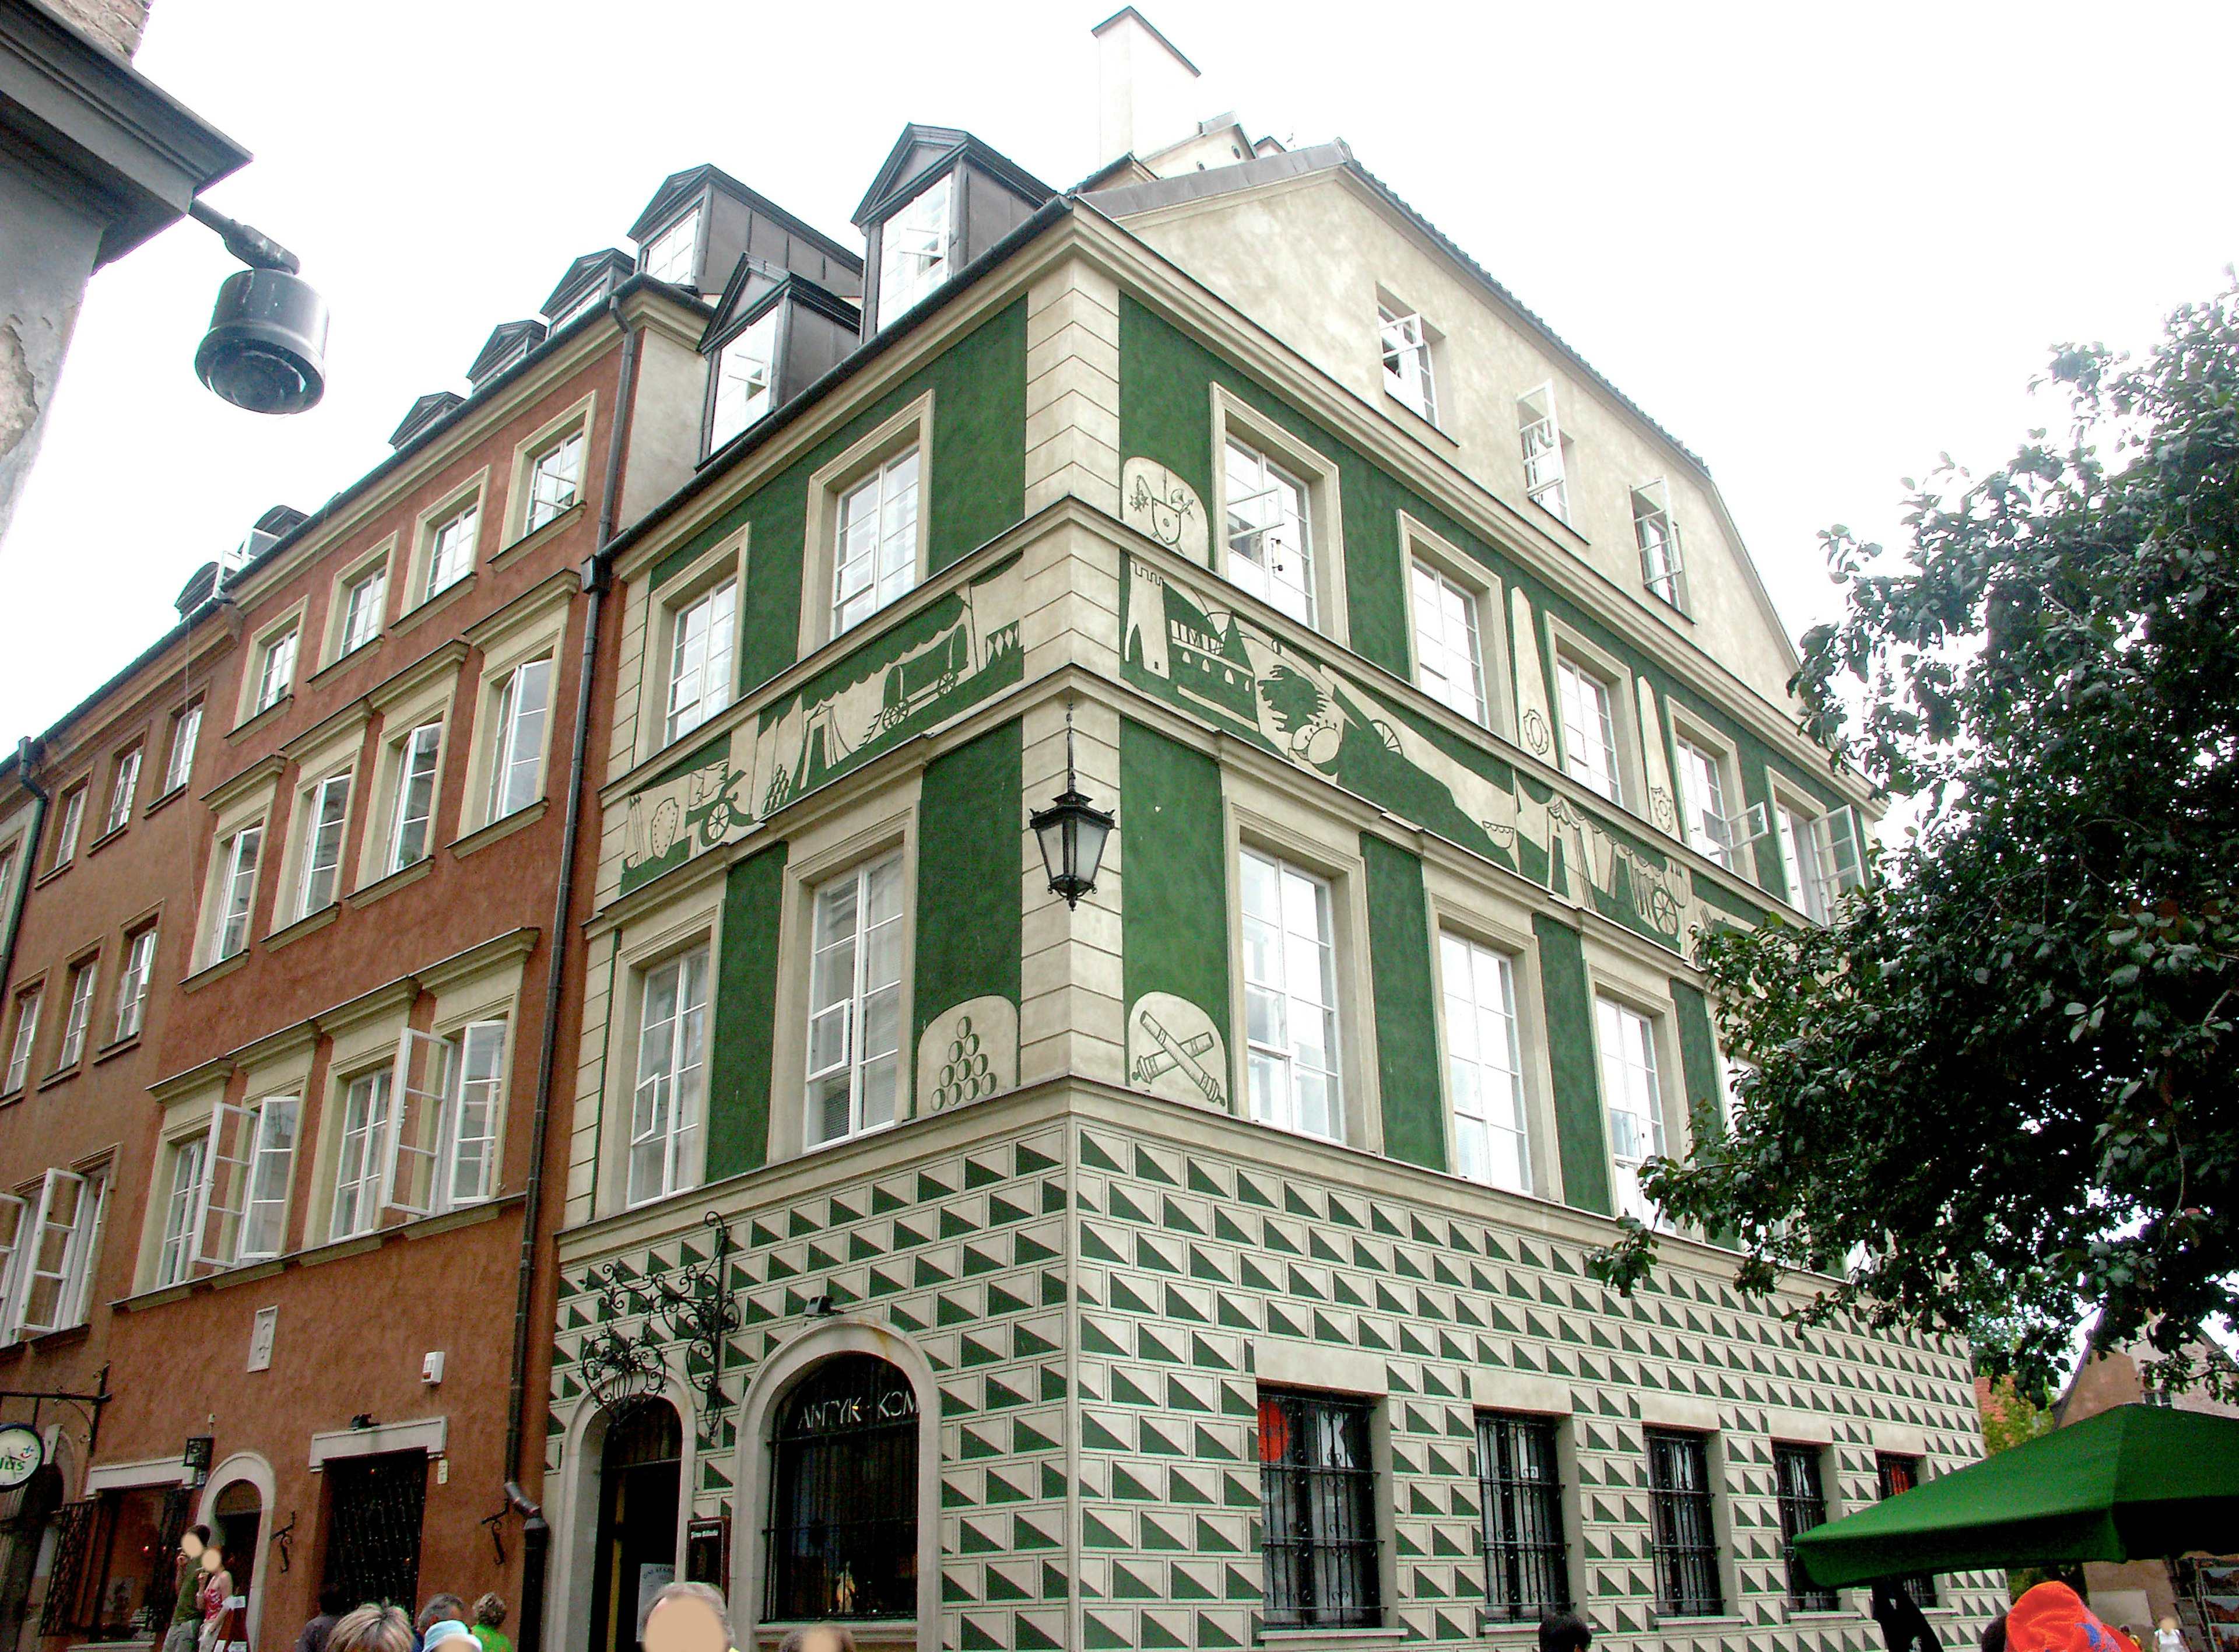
<point x="1072" y="834"/>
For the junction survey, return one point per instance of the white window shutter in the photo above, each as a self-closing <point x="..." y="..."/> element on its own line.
<point x="1845" y="834"/>
<point x="1751" y="824"/>
<point x="15" y="1231"/>
<point x="226" y="1166"/>
<point x="53" y="1242"/>
<point x="418" y="1121"/>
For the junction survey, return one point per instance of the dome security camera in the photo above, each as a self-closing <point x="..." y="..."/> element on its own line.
<point x="267" y="344"/>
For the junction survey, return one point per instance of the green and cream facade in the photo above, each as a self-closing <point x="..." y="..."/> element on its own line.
<point x="1075" y="1240"/>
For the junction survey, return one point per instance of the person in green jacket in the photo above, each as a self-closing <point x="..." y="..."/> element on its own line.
<point x="187" y="1614"/>
<point x="489" y="1623"/>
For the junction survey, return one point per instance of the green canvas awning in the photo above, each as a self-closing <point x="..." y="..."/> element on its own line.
<point x="2136" y="1481"/>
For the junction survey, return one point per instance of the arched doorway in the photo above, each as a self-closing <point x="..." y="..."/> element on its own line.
<point x="640" y="1493"/>
<point x="238" y="1523"/>
<point x="842" y="1539"/>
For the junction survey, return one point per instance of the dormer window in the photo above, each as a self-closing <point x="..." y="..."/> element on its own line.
<point x="746" y="372"/>
<point x="914" y="249"/>
<point x="668" y="255"/>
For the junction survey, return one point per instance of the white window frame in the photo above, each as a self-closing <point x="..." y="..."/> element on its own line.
<point x="1820" y="857"/>
<point x="449" y="544"/>
<point x="1275" y="1053"/>
<point x="72" y="1271"/>
<point x="124" y="782"/>
<point x="363" y="600"/>
<point x="323" y="828"/>
<point x="1236" y="420"/>
<point x="1410" y="375"/>
<point x="668" y="1090"/>
<point x="1623" y="1066"/>
<point x="1656" y="531"/>
<point x="359" y="1178"/>
<point x="1706" y="824"/>
<point x="744" y="376"/>
<point x="233" y="897"/>
<point x="275" y="666"/>
<point x="78" y="1019"/>
<point x="911" y="427"/>
<point x="889" y="550"/>
<point x="1471" y="1078"/>
<point x="1463" y="692"/>
<point x="441" y="1083"/>
<point x="187" y="1164"/>
<point x="701" y="671"/>
<point x="1545" y="450"/>
<point x="24" y="1038"/>
<point x="1583" y="745"/>
<point x="15" y="1219"/>
<point x="271" y="1176"/>
<point x="552" y="478"/>
<point x="73" y="824"/>
<point x="850" y="1059"/>
<point x="1271" y="510"/>
<point x="672" y="255"/>
<point x="417" y="755"/>
<point x="186" y="729"/>
<point x="922" y="230"/>
<point x="133" y="981"/>
<point x="516" y="746"/>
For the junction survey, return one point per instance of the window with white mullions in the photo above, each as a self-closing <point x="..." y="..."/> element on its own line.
<point x="1588" y="730"/>
<point x="415" y="757"/>
<point x="1819" y="856"/>
<point x="27" y="1033"/>
<point x="1318" y="1512"/>
<point x="1802" y="1505"/>
<point x="1657" y="536"/>
<point x="58" y="1262"/>
<point x="746" y="376"/>
<point x="1633" y="1096"/>
<point x="271" y="1159"/>
<point x="1268" y="550"/>
<point x="668" y="255"/>
<point x="1520" y="1508"/>
<point x="700" y="658"/>
<point x="555" y="481"/>
<point x="1681" y="1531"/>
<point x="1702" y="796"/>
<point x="672" y="1078"/>
<point x="79" y="1014"/>
<point x="132" y="985"/>
<point x="1448" y="663"/>
<point x="877" y="560"/>
<point x="1290" y="998"/>
<point x="326" y="814"/>
<point x="363" y="606"/>
<point x="855" y="1006"/>
<point x="446" y="1095"/>
<point x="1484" y="1067"/>
<point x="477" y="1101"/>
<point x="182" y="1210"/>
<point x="1407" y="359"/>
<point x="360" y="1153"/>
<point x="517" y="756"/>
<point x="914" y="248"/>
<point x="451" y="551"/>
<point x="276" y="671"/>
<point x="121" y="784"/>
<point x="73" y="824"/>
<point x="16" y="1212"/>
<point x="1545" y="483"/>
<point x="186" y="728"/>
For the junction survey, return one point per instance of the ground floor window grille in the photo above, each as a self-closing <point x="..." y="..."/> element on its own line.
<point x="1898" y="1476"/>
<point x="1520" y="1499"/>
<point x="842" y="1536"/>
<point x="373" y="1524"/>
<point x="1802" y="1505"/>
<point x="1317" y="1504"/>
<point x="1682" y="1533"/>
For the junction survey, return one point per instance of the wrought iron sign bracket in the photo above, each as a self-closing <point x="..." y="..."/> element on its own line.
<point x="694" y="1303"/>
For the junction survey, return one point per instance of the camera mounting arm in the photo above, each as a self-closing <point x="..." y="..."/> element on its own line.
<point x="252" y="246"/>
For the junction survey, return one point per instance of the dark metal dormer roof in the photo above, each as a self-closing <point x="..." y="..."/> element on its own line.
<point x="509" y="342"/>
<point x="753" y="288"/>
<point x="281" y="519"/>
<point x="681" y="191"/>
<point x="425" y="412"/>
<point x="599" y="272"/>
<point x="923" y="151"/>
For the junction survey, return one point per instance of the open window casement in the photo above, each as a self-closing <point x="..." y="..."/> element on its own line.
<point x="419" y="1120"/>
<point x="15" y="1229"/>
<point x="228" y="1154"/>
<point x="1739" y="830"/>
<point x="471" y="1165"/>
<point x="271" y="1155"/>
<point x="1542" y="436"/>
<point x="1662" y="569"/>
<point x="57" y="1233"/>
<point x="1842" y="868"/>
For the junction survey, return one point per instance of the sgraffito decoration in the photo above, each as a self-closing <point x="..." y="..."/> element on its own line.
<point x="1184" y="644"/>
<point x="1156" y="501"/>
<point x="967" y="1054"/>
<point x="936" y="663"/>
<point x="1174" y="1050"/>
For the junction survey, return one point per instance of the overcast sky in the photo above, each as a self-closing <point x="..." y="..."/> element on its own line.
<point x="1820" y="245"/>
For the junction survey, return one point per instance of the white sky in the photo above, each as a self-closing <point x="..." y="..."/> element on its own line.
<point x="1819" y="245"/>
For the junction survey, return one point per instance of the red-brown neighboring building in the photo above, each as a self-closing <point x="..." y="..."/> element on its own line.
<point x="281" y="1020"/>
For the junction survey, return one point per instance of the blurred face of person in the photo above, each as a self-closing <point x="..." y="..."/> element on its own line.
<point x="213" y="1561"/>
<point x="191" y="1547"/>
<point x="819" y="1641"/>
<point x="682" y="1624"/>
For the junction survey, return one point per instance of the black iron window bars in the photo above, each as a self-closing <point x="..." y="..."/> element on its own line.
<point x="1681" y="1531"/>
<point x="1318" y="1503"/>
<point x="1520" y="1498"/>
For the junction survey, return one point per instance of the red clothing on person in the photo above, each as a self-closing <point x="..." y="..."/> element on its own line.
<point x="2052" y="1617"/>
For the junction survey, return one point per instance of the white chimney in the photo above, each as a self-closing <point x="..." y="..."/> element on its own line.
<point x="1146" y="91"/>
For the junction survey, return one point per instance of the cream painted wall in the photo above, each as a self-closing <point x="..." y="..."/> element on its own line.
<point x="1305" y="258"/>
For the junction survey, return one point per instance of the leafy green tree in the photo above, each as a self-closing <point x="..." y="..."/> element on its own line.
<point x="1998" y="1089"/>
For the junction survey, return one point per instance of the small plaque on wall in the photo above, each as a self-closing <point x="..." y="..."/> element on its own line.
<point x="708" y="1551"/>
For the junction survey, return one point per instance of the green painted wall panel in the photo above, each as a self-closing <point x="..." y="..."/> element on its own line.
<point x="1406" y="1028"/>
<point x="1698" y="1061"/>
<point x="1581" y="1137"/>
<point x="1174" y="927"/>
<point x="968" y="900"/>
<point x="746" y="1011"/>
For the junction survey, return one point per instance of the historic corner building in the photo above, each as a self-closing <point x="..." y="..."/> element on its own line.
<point x="1203" y="1265"/>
